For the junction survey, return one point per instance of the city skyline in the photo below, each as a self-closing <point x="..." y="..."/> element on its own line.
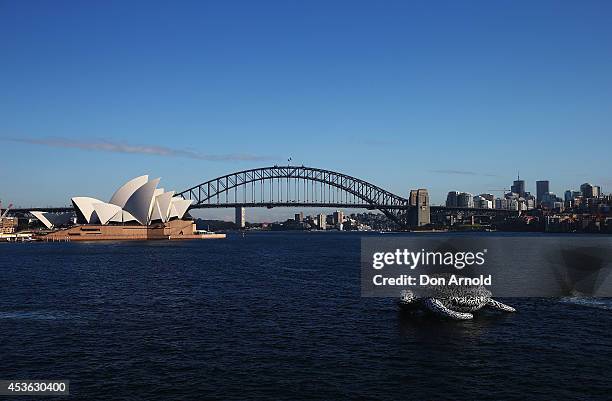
<point x="406" y="96"/>
<point x="517" y="197"/>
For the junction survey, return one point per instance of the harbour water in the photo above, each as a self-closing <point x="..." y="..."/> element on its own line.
<point x="274" y="316"/>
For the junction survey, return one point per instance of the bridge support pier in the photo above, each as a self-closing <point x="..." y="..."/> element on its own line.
<point x="240" y="217"/>
<point x="419" y="214"/>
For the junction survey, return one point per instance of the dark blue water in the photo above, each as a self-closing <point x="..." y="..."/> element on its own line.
<point x="273" y="316"/>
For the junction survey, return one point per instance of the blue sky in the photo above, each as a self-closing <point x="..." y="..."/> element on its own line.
<point x="441" y="95"/>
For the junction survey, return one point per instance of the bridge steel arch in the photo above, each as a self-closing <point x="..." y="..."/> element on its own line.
<point x="281" y="185"/>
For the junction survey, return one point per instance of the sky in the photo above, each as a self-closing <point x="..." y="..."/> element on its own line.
<point x="403" y="94"/>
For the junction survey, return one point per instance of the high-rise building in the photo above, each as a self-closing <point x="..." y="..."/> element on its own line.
<point x="490" y="198"/>
<point x="299" y="217"/>
<point x="338" y="219"/>
<point x="465" y="199"/>
<point x="596" y="191"/>
<point x="542" y="187"/>
<point x="518" y="187"/>
<point x="589" y="190"/>
<point x="482" y="203"/>
<point x="501" y="203"/>
<point x="451" y="199"/>
<point x="549" y="200"/>
<point x="322" y="221"/>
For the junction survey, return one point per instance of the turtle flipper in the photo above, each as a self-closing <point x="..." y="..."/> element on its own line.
<point x="500" y="306"/>
<point x="434" y="305"/>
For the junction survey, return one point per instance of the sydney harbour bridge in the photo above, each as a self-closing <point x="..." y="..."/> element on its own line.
<point x="300" y="186"/>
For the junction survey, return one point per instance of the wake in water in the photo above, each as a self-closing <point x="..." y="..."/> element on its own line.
<point x="33" y="315"/>
<point x="590" y="302"/>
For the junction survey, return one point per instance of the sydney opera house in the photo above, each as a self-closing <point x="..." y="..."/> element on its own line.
<point x="137" y="201"/>
<point x="137" y="210"/>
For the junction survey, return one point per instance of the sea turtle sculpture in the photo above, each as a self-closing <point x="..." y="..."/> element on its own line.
<point x="451" y="301"/>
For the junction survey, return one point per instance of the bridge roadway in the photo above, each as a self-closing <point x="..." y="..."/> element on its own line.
<point x="348" y="206"/>
<point x="21" y="211"/>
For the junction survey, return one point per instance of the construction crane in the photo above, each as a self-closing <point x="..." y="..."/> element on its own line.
<point x="6" y="210"/>
<point x="502" y="191"/>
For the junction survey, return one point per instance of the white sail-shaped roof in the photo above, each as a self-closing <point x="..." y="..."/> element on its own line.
<point x="138" y="200"/>
<point x="41" y="216"/>
<point x="165" y="201"/>
<point x="179" y="207"/>
<point x="121" y="196"/>
<point x="139" y="204"/>
<point x="123" y="217"/>
<point x="85" y="206"/>
<point x="51" y="220"/>
<point x="106" y="211"/>
<point x="156" y="193"/>
<point x="161" y="208"/>
<point x="155" y="213"/>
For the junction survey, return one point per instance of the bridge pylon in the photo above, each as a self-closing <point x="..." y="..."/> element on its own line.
<point x="240" y="217"/>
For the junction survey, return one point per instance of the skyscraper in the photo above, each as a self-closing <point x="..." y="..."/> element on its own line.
<point x="518" y="187"/>
<point x="322" y="221"/>
<point x="596" y="191"/>
<point x="542" y="187"/>
<point x="338" y="219"/>
<point x="589" y="190"/>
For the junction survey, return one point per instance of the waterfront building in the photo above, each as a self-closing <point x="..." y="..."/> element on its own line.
<point x="322" y="221"/>
<point x="138" y="210"/>
<point x="8" y="225"/>
<point x="299" y="217"/>
<point x="138" y="201"/>
<point x="338" y="219"/>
